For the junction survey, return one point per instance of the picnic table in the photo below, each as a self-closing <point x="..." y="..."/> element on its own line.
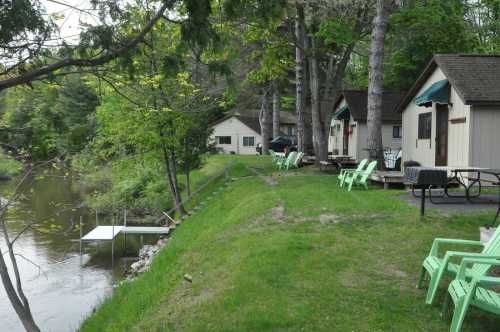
<point x="339" y="161"/>
<point x="468" y="178"/>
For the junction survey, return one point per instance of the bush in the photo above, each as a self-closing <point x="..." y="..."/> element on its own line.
<point x="9" y="167"/>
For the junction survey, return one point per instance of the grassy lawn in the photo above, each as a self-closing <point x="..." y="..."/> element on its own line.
<point x="300" y="255"/>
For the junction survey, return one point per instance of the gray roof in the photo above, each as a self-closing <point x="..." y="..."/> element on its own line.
<point x="476" y="78"/>
<point x="251" y="119"/>
<point x="357" y="101"/>
<point x="285" y="117"/>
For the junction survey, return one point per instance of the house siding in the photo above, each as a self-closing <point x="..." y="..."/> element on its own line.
<point x="423" y="150"/>
<point x="236" y="130"/>
<point x="359" y="137"/>
<point x="485" y="141"/>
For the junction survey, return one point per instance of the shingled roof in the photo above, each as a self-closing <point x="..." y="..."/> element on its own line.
<point x="357" y="101"/>
<point x="475" y="78"/>
<point x="251" y="119"/>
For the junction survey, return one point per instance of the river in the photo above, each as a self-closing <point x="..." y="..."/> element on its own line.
<point x="61" y="292"/>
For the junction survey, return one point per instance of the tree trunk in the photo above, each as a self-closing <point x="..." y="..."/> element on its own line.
<point x="18" y="300"/>
<point x="300" y="101"/>
<point x="171" y="173"/>
<point x="265" y="123"/>
<point x="376" y="81"/>
<point x="320" y="148"/>
<point x="276" y="109"/>
<point x="188" y="185"/>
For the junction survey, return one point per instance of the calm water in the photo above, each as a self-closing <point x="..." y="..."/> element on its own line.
<point x="63" y="292"/>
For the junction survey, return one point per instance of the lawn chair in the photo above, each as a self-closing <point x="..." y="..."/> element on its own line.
<point x="294" y="163"/>
<point x="437" y="266"/>
<point x="361" y="178"/>
<point x="345" y="171"/>
<point x="477" y="292"/>
<point x="284" y="161"/>
<point x="273" y="155"/>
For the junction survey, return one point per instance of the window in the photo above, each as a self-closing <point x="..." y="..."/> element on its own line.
<point x="396" y="132"/>
<point x="223" y="140"/>
<point x="248" y="141"/>
<point x="424" y="125"/>
<point x="290" y="131"/>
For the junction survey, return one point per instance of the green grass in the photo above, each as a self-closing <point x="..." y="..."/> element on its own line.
<point x="332" y="261"/>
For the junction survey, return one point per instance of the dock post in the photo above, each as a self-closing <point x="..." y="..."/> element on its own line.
<point x="81" y="242"/>
<point x="125" y="234"/>
<point x="97" y="225"/>
<point x="113" y="243"/>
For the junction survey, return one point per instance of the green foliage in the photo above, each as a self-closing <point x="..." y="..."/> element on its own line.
<point x="9" y="166"/>
<point x="54" y="118"/>
<point x="420" y="30"/>
<point x="19" y="17"/>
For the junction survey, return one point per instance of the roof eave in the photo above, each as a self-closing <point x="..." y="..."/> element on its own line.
<point x="431" y="67"/>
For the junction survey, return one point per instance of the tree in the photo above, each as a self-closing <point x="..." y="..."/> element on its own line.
<point x="276" y="108"/>
<point x="15" y="293"/>
<point x="418" y="30"/>
<point x="334" y="29"/>
<point x="265" y="122"/>
<point x="24" y="46"/>
<point x="376" y="80"/>
<point x="52" y="119"/>
<point x="300" y="75"/>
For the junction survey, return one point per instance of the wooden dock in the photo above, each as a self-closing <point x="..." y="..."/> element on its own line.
<point x="388" y="177"/>
<point x="108" y="233"/>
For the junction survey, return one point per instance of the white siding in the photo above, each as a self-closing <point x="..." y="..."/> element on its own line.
<point x="353" y="147"/>
<point x="458" y="133"/>
<point x="423" y="150"/>
<point x="237" y="130"/>
<point x="335" y="141"/>
<point x="414" y="148"/>
<point x="358" y="138"/>
<point x="485" y="139"/>
<point x="387" y="140"/>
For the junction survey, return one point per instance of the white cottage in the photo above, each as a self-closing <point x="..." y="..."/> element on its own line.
<point x="239" y="132"/>
<point x="348" y="131"/>
<point x="451" y="116"/>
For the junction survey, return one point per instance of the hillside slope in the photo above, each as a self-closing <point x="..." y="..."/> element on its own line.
<point x="297" y="254"/>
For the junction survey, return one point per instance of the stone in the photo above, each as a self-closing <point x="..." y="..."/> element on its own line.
<point x="188" y="278"/>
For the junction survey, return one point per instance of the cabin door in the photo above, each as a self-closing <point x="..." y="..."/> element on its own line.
<point x="345" y="140"/>
<point x="441" y="135"/>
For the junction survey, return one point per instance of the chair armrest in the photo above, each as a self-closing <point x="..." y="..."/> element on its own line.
<point x="471" y="255"/>
<point x="469" y="261"/>
<point x="487" y="281"/>
<point x="438" y="241"/>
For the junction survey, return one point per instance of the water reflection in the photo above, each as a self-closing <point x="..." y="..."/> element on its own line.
<point x="61" y="293"/>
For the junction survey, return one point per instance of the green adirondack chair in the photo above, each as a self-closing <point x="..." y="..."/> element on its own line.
<point x="361" y="178"/>
<point x="437" y="267"/>
<point x="291" y="157"/>
<point x="295" y="162"/>
<point x="345" y="171"/>
<point x="273" y="155"/>
<point x="477" y="292"/>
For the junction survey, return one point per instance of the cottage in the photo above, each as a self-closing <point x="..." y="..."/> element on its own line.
<point x="239" y="132"/>
<point x="451" y="116"/>
<point x="348" y="131"/>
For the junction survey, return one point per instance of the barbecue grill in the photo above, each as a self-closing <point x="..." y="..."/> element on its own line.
<point x="425" y="178"/>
